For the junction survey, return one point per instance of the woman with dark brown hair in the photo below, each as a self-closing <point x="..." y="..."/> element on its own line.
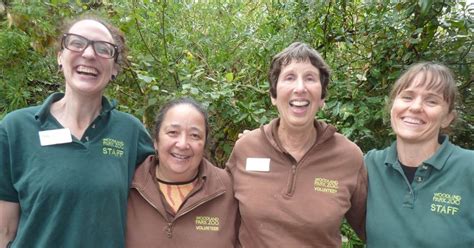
<point x="178" y="198"/>
<point x="66" y="165"/>
<point x="296" y="178"/>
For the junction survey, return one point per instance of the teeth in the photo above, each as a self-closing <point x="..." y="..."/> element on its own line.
<point x="299" y="103"/>
<point x="412" y="120"/>
<point x="87" y="70"/>
<point x="179" y="156"/>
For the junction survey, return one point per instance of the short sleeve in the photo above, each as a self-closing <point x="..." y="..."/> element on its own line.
<point x="7" y="191"/>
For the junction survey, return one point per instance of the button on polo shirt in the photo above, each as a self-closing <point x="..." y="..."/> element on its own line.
<point x="73" y="194"/>
<point x="435" y="210"/>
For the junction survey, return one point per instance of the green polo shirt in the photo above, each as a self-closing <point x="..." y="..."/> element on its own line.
<point x="435" y="210"/>
<point x="72" y="194"/>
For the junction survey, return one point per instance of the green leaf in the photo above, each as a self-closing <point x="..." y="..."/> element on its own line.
<point x="194" y="91"/>
<point x="146" y="79"/>
<point x="425" y="6"/>
<point x="229" y="77"/>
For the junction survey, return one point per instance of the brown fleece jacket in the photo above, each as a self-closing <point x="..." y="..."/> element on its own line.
<point x="207" y="217"/>
<point x="289" y="203"/>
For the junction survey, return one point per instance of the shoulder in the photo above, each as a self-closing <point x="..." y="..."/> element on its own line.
<point x="340" y="148"/>
<point x="18" y="119"/>
<point x="375" y="157"/>
<point x="251" y="143"/>
<point x="346" y="144"/>
<point x="126" y="117"/>
<point x="328" y="136"/>
<point x="376" y="153"/>
<point x="20" y="114"/>
<point x="463" y="152"/>
<point x="251" y="137"/>
<point x="128" y="123"/>
<point x="216" y="173"/>
<point x="142" y="172"/>
<point x="462" y="156"/>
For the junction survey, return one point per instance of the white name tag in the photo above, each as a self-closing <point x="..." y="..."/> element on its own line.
<point x="257" y="164"/>
<point x="55" y="136"/>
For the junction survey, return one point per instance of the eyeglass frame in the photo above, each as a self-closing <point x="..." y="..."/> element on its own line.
<point x="90" y="42"/>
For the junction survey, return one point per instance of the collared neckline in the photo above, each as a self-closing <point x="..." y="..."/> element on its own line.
<point x="437" y="160"/>
<point x="44" y="111"/>
<point x="324" y="132"/>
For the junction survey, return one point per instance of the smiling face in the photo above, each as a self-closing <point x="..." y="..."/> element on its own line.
<point x="418" y="113"/>
<point x="298" y="95"/>
<point x="181" y="142"/>
<point x="86" y="72"/>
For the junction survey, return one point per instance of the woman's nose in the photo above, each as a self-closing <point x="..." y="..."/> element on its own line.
<point x="88" y="52"/>
<point x="300" y="86"/>
<point x="182" y="142"/>
<point x="416" y="105"/>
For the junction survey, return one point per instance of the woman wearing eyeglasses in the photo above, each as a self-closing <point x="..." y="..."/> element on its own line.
<point x="66" y="165"/>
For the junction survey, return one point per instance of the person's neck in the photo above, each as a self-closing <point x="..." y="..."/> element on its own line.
<point x="76" y="112"/>
<point x="297" y="141"/>
<point x="164" y="177"/>
<point x="413" y="154"/>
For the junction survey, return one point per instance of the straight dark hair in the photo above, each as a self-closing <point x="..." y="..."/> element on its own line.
<point x="180" y="101"/>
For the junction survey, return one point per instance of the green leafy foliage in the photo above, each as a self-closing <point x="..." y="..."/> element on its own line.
<point x="219" y="54"/>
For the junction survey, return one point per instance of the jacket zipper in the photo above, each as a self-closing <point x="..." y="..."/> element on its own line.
<point x="291" y="189"/>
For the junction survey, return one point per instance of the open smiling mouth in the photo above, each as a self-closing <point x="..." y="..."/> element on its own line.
<point x="88" y="71"/>
<point x="299" y="103"/>
<point x="413" y="121"/>
<point x="179" y="156"/>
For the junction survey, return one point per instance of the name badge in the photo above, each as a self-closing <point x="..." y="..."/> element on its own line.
<point x="257" y="164"/>
<point x="55" y="136"/>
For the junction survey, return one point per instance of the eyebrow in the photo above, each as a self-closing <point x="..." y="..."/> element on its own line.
<point x="197" y="129"/>
<point x="306" y="72"/>
<point x="314" y="73"/>
<point x="194" y="128"/>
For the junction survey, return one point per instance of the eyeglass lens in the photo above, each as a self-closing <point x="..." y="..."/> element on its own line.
<point x="78" y="44"/>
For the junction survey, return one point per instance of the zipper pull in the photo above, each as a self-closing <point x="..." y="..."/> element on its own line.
<point x="169" y="230"/>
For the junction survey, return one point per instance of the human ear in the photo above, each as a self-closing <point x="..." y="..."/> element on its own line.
<point x="448" y="119"/>
<point x="273" y="100"/>
<point x="115" y="69"/>
<point x="59" y="58"/>
<point x="155" y="145"/>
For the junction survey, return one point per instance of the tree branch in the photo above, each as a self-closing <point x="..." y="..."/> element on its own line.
<point x="142" y="38"/>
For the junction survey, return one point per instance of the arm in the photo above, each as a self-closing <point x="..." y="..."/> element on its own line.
<point x="9" y="217"/>
<point x="356" y="214"/>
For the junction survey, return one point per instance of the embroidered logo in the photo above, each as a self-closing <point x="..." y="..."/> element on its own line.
<point x="444" y="203"/>
<point x="207" y="223"/>
<point x="326" y="185"/>
<point x="113" y="147"/>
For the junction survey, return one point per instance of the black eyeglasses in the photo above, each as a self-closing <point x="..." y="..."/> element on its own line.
<point x="78" y="43"/>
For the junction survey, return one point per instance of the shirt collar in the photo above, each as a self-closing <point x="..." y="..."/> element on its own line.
<point x="44" y="110"/>
<point x="392" y="157"/>
<point x="438" y="160"/>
